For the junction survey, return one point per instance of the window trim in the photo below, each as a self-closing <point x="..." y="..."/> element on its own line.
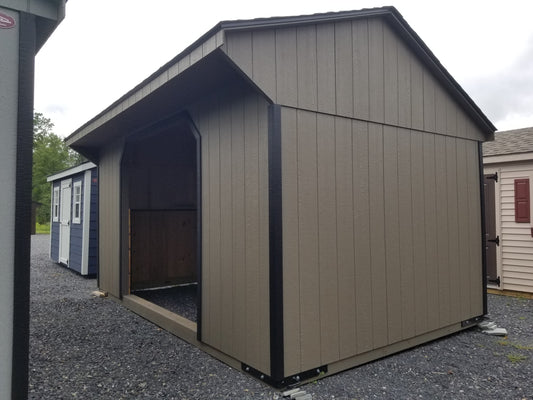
<point x="76" y="203"/>
<point x="55" y="205"/>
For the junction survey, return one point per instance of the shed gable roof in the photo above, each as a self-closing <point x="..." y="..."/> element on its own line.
<point x="214" y="40"/>
<point x="516" y="141"/>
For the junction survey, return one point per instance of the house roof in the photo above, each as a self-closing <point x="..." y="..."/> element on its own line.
<point x="516" y="141"/>
<point x="71" y="171"/>
<point x="189" y="65"/>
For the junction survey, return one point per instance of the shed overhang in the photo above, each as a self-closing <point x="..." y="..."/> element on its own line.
<point x="212" y="73"/>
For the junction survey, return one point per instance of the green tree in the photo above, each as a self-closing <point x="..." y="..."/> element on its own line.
<point x="50" y="155"/>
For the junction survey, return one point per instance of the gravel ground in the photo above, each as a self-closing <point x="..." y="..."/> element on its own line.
<point x="83" y="347"/>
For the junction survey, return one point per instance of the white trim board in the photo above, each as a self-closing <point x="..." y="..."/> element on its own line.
<point x="86" y="223"/>
<point x="71" y="171"/>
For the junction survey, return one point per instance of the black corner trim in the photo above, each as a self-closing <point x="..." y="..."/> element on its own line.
<point x="21" y="280"/>
<point x="293" y="380"/>
<point x="483" y="227"/>
<point x="275" y="243"/>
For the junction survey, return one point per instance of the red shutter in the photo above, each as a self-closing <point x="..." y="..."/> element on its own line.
<point x="521" y="200"/>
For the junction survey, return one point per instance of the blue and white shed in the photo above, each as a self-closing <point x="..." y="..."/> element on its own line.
<point x="74" y="218"/>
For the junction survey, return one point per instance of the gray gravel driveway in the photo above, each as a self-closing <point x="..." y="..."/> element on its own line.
<point x="83" y="347"/>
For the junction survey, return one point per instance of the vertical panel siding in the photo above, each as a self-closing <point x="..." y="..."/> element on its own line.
<point x="363" y="271"/>
<point x="390" y="76"/>
<point x="358" y="68"/>
<point x="306" y="58"/>
<point x="286" y="66"/>
<point x="345" y="235"/>
<point x="344" y="68"/>
<point x="419" y="232"/>
<point x="363" y="208"/>
<point x="443" y="250"/>
<point x="109" y="224"/>
<point x="264" y="52"/>
<point x="291" y="263"/>
<point x="239" y="229"/>
<point x="430" y="228"/>
<point x="462" y="200"/>
<point x="327" y="239"/>
<point x="308" y="235"/>
<point x="235" y="317"/>
<point x="376" y="68"/>
<point x="325" y="56"/>
<point x="405" y="215"/>
<point x="404" y="85"/>
<point x="226" y="220"/>
<point x="515" y="238"/>
<point x="392" y="234"/>
<point x="377" y="236"/>
<point x="453" y="228"/>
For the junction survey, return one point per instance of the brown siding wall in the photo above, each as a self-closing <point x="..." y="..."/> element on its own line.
<point x="109" y="225"/>
<point x="357" y="69"/>
<point x="382" y="235"/>
<point x="235" y="260"/>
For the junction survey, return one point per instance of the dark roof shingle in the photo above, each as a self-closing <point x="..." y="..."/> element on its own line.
<point x="515" y="141"/>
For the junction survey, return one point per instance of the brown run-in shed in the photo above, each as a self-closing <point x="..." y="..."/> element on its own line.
<point x="317" y="177"/>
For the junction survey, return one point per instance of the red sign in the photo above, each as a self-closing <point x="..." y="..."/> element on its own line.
<point x="6" y="21"/>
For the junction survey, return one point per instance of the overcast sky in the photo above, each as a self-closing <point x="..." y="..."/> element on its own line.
<point x="104" y="48"/>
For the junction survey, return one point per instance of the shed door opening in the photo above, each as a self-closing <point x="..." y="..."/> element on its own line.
<point x="491" y="238"/>
<point x="160" y="169"/>
<point x="64" y="220"/>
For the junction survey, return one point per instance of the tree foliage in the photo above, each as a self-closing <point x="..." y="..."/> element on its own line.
<point x="50" y="155"/>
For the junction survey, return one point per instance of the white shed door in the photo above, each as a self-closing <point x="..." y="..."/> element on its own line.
<point x="64" y="219"/>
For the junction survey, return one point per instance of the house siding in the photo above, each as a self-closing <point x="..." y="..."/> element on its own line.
<point x="515" y="257"/>
<point x="235" y="259"/>
<point x="357" y="69"/>
<point x="382" y="235"/>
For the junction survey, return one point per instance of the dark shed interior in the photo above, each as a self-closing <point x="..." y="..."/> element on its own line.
<point x="159" y="167"/>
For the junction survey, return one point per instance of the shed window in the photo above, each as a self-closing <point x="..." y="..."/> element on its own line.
<point x="76" y="218"/>
<point x="521" y="200"/>
<point x="55" y="205"/>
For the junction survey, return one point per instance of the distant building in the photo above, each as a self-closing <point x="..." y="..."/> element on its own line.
<point x="74" y="218"/>
<point x="508" y="169"/>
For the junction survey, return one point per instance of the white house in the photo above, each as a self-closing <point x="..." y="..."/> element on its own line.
<point x="508" y="169"/>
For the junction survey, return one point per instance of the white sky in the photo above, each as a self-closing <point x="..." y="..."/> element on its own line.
<point x="104" y="48"/>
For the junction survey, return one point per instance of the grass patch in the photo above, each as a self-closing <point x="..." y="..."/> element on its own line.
<point x="517" y="346"/>
<point x="516" y="358"/>
<point x="42" y="228"/>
